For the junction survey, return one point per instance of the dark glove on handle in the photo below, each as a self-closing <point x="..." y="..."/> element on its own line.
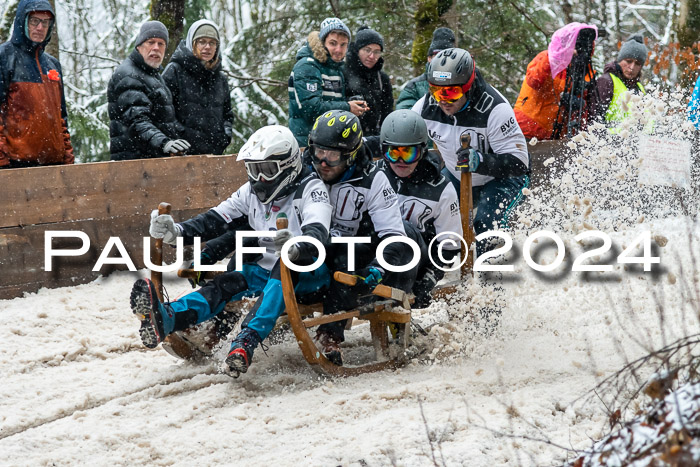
<point x="372" y="276"/>
<point x="468" y="159"/>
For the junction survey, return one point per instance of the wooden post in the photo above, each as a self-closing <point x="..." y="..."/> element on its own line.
<point x="466" y="207"/>
<point x="157" y="254"/>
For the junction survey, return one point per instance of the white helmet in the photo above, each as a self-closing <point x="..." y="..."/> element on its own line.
<point x="272" y="160"/>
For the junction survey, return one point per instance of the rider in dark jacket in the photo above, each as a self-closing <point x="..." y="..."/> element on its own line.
<point x="201" y="94"/>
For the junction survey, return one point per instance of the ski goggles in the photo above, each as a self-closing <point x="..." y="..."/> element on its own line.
<point x="332" y="157"/>
<point x="407" y="154"/>
<point x="448" y="94"/>
<point x="268" y="170"/>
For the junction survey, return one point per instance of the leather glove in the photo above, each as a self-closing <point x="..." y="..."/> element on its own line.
<point x="372" y="276"/>
<point x="282" y="237"/>
<point x="204" y="259"/>
<point x="163" y="226"/>
<point x="176" y="145"/>
<point x="468" y="159"/>
<point x="422" y="289"/>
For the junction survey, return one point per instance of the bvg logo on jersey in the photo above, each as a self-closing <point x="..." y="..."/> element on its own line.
<point x="509" y="127"/>
<point x="454" y="209"/>
<point x="389" y="196"/>
<point x="319" y="196"/>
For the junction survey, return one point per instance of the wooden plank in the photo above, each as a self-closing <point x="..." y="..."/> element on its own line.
<point x="112" y="189"/>
<point x="22" y="252"/>
<point x="103" y="200"/>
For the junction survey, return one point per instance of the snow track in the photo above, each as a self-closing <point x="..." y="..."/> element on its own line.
<point x="78" y="387"/>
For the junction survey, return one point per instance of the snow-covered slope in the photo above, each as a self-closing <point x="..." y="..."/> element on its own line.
<point x="77" y="386"/>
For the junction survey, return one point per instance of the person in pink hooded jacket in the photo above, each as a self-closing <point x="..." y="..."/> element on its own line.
<point x="544" y="88"/>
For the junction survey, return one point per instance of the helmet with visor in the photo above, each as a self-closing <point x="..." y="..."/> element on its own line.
<point x="272" y="161"/>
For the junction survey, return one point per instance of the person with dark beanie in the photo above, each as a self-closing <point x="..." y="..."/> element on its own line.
<point x="142" y="117"/>
<point x="365" y="80"/>
<point x="443" y="38"/>
<point x="621" y="75"/>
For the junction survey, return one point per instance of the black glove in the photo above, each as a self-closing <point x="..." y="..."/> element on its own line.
<point x="422" y="289"/>
<point x="468" y="159"/>
<point x="199" y="280"/>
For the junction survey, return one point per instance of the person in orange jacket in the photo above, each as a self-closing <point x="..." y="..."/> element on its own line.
<point x="33" y="116"/>
<point x="543" y="92"/>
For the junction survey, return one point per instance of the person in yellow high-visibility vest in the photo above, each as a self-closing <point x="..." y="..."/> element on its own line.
<point x="620" y="76"/>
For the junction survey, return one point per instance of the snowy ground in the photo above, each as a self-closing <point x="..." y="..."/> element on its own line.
<point x="79" y="388"/>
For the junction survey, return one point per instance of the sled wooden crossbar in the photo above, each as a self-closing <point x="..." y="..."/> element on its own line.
<point x="378" y="328"/>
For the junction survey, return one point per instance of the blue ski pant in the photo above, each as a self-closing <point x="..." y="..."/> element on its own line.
<point x="252" y="280"/>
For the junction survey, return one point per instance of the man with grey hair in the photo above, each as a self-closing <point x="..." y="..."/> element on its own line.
<point x="141" y="112"/>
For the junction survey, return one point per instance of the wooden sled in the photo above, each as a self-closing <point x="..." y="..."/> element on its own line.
<point x="198" y="342"/>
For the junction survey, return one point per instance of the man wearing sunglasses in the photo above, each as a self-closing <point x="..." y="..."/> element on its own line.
<point x="428" y="201"/>
<point x="277" y="184"/>
<point x="462" y="103"/>
<point x="364" y="205"/>
<point x="33" y="116"/>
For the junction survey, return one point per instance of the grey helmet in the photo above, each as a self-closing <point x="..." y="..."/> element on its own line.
<point x="452" y="67"/>
<point x="404" y="128"/>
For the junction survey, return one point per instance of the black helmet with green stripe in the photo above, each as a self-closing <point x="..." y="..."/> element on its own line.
<point x="338" y="130"/>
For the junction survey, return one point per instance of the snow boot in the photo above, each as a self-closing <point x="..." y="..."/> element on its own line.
<point x="157" y="320"/>
<point x="330" y="346"/>
<point x="242" y="347"/>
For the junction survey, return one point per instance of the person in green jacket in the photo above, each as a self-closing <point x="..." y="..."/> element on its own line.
<point x="443" y="38"/>
<point x="317" y="83"/>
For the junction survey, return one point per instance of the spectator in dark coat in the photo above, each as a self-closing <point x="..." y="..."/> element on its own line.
<point x="201" y="94"/>
<point x="142" y="116"/>
<point x="365" y="80"/>
<point x="317" y="82"/>
<point x="33" y="117"/>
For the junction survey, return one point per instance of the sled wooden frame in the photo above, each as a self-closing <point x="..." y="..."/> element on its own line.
<point x="381" y="314"/>
<point x="379" y="319"/>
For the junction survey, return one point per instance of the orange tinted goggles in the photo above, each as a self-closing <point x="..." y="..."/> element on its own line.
<point x="407" y="154"/>
<point x="447" y="94"/>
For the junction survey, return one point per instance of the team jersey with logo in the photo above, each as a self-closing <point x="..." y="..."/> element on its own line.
<point x="431" y="206"/>
<point x="307" y="209"/>
<point x="365" y="205"/>
<point x="488" y="119"/>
